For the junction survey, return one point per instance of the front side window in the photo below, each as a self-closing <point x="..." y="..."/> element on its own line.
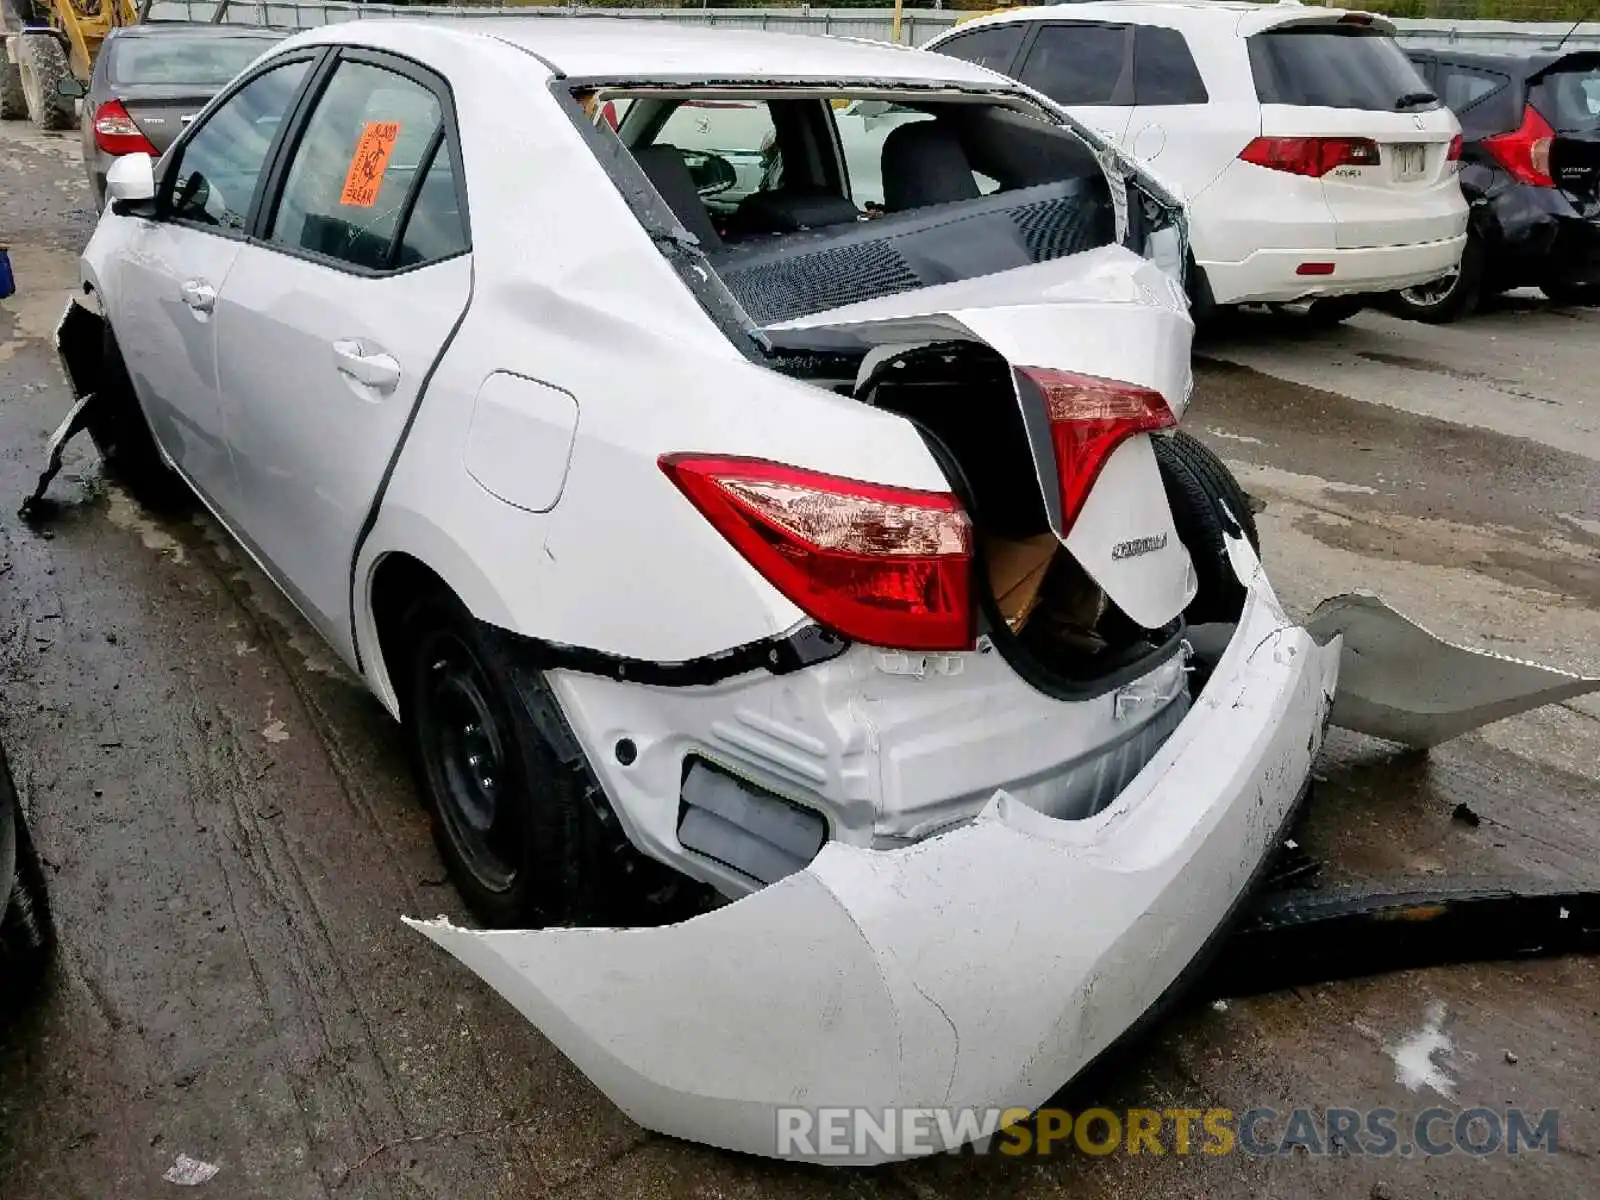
<point x="371" y="142"/>
<point x="1078" y="64"/>
<point x="215" y="176"/>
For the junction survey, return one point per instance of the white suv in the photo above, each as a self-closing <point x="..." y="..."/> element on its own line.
<point x="1314" y="159"/>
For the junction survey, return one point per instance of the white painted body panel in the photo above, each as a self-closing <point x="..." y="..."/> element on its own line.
<point x="1251" y="227"/>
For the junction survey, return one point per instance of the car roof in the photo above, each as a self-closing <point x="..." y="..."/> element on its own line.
<point x="1240" y="15"/>
<point x="623" y="49"/>
<point x="1510" y="61"/>
<point x="159" y="28"/>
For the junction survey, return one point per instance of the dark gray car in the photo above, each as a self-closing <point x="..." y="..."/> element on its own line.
<point x="150" y="80"/>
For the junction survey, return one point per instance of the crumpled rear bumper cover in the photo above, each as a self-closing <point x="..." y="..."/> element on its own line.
<point x="983" y="967"/>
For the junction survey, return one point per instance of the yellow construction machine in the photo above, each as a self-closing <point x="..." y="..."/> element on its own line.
<point x="47" y="40"/>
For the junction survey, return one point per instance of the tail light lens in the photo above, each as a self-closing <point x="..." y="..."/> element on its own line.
<point x="1089" y="419"/>
<point x="1454" y="154"/>
<point x="115" y="132"/>
<point x="1310" y="156"/>
<point x="1525" y="151"/>
<point x="883" y="565"/>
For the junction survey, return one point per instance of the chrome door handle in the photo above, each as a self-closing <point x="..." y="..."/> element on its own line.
<point x="376" y="369"/>
<point x="199" y="295"/>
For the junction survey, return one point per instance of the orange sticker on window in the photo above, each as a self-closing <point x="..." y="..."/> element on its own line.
<point x="368" y="163"/>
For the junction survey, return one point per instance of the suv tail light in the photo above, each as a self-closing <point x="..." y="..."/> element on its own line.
<point x="1454" y="154"/>
<point x="115" y="132"/>
<point x="1525" y="151"/>
<point x="1311" y="156"/>
<point x="888" y="566"/>
<point x="1089" y="418"/>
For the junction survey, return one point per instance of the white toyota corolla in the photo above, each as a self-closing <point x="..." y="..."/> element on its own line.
<point x="850" y="567"/>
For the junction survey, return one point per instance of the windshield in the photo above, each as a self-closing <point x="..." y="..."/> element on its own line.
<point x="1570" y="99"/>
<point x="1336" y="66"/>
<point x="178" y="59"/>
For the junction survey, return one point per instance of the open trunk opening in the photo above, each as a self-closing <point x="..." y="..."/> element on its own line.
<point x="1040" y="608"/>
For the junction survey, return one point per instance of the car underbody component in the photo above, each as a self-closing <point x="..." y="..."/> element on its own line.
<point x="74" y="423"/>
<point x="1292" y="936"/>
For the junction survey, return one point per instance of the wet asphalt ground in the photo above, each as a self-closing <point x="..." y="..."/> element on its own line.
<point x="231" y="833"/>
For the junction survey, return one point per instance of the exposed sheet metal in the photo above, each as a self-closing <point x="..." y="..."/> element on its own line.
<point x="1398" y="681"/>
<point x="948" y="973"/>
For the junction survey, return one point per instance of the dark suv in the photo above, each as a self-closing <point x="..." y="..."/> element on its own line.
<point x="1530" y="169"/>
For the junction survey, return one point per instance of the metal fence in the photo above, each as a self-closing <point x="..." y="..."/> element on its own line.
<point x="917" y="25"/>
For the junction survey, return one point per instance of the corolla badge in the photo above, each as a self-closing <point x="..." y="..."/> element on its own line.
<point x="1137" y="546"/>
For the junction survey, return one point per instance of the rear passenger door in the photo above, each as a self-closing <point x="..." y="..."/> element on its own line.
<point x="334" y="314"/>
<point x="1087" y="68"/>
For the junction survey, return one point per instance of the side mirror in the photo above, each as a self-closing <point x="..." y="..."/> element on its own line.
<point x="131" y="184"/>
<point x="71" y="87"/>
<point x="712" y="174"/>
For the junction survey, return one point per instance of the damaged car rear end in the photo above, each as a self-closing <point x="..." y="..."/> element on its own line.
<point x="817" y="529"/>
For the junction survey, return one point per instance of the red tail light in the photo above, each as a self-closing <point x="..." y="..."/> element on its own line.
<point x="883" y="565"/>
<point x="115" y="132"/>
<point x="1525" y="152"/>
<point x="1454" y="154"/>
<point x="1311" y="156"/>
<point x="1090" y="418"/>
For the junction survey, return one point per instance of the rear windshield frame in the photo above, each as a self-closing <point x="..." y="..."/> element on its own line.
<point x="1149" y="207"/>
<point x="1278" y="81"/>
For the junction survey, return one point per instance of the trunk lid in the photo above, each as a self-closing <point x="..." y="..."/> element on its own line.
<point x="1567" y="95"/>
<point x="1338" y="77"/>
<point x="1105" y="313"/>
<point x="162" y="113"/>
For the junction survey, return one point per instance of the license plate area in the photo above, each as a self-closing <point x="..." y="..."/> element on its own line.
<point x="1410" y="159"/>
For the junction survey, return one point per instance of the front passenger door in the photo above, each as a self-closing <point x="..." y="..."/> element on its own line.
<point x="177" y="263"/>
<point x="332" y="318"/>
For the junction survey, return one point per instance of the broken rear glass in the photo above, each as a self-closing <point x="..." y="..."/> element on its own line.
<point x="805" y="200"/>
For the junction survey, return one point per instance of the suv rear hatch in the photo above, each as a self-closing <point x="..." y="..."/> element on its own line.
<point x="1341" y="102"/>
<point x="1566" y="94"/>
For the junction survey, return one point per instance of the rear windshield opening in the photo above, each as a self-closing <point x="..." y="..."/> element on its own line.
<point x="805" y="201"/>
<point x="1336" y="66"/>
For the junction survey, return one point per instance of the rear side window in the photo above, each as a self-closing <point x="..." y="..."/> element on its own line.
<point x="1569" y="99"/>
<point x="1482" y="100"/>
<point x="993" y="48"/>
<point x="1079" y="64"/>
<point x="1164" y="71"/>
<point x="1336" y="66"/>
<point x="375" y="140"/>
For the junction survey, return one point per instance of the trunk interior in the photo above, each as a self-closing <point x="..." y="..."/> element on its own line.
<point x="1042" y="611"/>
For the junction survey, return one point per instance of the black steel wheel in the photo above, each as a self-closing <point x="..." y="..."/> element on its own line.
<point x="511" y="821"/>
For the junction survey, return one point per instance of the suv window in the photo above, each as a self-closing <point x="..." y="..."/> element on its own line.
<point x="1164" y="71"/>
<point x="1482" y="100"/>
<point x="993" y="48"/>
<point x="1336" y="66"/>
<point x="215" y="175"/>
<point x="375" y="137"/>
<point x="1078" y="64"/>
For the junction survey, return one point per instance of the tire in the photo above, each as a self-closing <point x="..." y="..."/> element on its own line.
<point x="1198" y="484"/>
<point x="121" y="434"/>
<point x="13" y="100"/>
<point x="1579" y="295"/>
<point x="26" y="931"/>
<point x="1334" y="310"/>
<point x="513" y="824"/>
<point x="43" y="64"/>
<point x="1459" y="300"/>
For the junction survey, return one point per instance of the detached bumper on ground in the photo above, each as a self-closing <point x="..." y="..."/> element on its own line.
<point x="983" y="967"/>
